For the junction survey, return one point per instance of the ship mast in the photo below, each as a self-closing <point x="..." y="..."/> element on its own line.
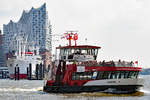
<point x="69" y="35"/>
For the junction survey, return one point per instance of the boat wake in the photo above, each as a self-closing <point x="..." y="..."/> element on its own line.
<point x="100" y="94"/>
<point x="145" y="91"/>
<point x="20" y="89"/>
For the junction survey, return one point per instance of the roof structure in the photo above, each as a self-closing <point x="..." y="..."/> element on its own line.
<point x="79" y="46"/>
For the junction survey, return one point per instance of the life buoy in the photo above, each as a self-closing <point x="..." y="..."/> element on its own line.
<point x="75" y="37"/>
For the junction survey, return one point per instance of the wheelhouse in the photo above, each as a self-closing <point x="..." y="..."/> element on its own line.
<point x="78" y="53"/>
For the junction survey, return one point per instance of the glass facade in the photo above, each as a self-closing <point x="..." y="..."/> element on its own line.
<point x="33" y="29"/>
<point x="1" y="51"/>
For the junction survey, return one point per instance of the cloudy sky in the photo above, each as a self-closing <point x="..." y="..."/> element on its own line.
<point x="120" y="27"/>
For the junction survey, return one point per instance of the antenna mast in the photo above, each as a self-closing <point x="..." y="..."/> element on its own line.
<point x="71" y="35"/>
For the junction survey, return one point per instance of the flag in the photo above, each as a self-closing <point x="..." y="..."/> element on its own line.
<point x="136" y="62"/>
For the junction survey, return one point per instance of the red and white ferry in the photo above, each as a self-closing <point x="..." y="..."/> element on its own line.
<point x="78" y="70"/>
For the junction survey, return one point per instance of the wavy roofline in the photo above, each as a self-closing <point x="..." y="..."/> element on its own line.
<point x="23" y="13"/>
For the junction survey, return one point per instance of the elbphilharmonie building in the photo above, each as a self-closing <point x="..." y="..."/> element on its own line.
<point x="33" y="29"/>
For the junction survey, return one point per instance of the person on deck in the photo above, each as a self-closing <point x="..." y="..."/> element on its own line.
<point x="103" y="63"/>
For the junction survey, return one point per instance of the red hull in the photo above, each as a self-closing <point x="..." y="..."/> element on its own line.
<point x="21" y="76"/>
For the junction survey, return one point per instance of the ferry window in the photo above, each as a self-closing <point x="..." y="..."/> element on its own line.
<point x="126" y="74"/>
<point x="82" y="76"/>
<point x="109" y="75"/>
<point x="89" y="51"/>
<point x="134" y="74"/>
<point x="121" y="74"/>
<point x="61" y="51"/>
<point x="113" y="75"/>
<point x="94" y="52"/>
<point x="88" y="75"/>
<point x="72" y="51"/>
<point x="77" y="76"/>
<point x="137" y="73"/>
<point x="77" y="51"/>
<point x="100" y="75"/>
<point x="130" y="74"/>
<point x="73" y="76"/>
<point x="83" y="52"/>
<point x="105" y="75"/>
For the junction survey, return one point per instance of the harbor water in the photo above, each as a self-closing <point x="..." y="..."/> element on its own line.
<point x="32" y="90"/>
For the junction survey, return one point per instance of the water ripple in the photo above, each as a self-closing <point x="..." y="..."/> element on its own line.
<point x="20" y="89"/>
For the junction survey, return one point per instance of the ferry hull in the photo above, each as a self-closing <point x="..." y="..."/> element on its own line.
<point x="116" y="89"/>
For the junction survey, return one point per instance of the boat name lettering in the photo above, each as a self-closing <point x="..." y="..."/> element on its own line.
<point x="111" y="82"/>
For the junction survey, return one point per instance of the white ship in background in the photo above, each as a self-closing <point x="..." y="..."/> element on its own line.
<point x="23" y="63"/>
<point x="24" y="56"/>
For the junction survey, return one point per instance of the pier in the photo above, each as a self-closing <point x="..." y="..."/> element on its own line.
<point x="4" y="73"/>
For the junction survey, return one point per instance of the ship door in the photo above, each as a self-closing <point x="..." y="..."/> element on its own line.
<point x="60" y="72"/>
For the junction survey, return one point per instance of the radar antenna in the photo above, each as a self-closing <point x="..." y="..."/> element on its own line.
<point x="69" y="35"/>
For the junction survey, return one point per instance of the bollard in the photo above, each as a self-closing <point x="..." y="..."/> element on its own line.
<point x="43" y="66"/>
<point x="48" y="67"/>
<point x="30" y="71"/>
<point x="2" y="74"/>
<point x="41" y="74"/>
<point x="15" y="73"/>
<point x="27" y="73"/>
<point x="37" y="71"/>
<point x="18" y="73"/>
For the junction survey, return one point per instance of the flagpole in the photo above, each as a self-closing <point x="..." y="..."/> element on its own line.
<point x="136" y="63"/>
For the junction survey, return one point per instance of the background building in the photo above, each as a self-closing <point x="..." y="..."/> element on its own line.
<point x="33" y="30"/>
<point x="1" y="51"/>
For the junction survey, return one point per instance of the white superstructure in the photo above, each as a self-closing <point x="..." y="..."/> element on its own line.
<point x="23" y="63"/>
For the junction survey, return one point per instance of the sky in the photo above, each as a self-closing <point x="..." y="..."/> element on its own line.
<point x="120" y="27"/>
